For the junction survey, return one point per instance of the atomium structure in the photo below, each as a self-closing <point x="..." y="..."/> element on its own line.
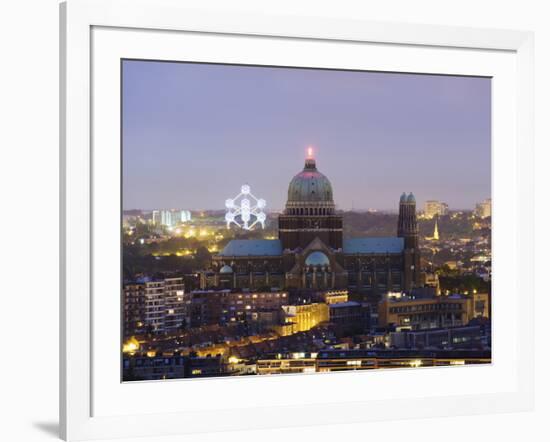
<point x="245" y="210"/>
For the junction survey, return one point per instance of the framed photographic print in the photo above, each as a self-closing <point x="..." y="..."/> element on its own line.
<point x="294" y="219"/>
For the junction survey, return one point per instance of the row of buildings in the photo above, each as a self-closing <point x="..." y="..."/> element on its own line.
<point x="175" y="366"/>
<point x="170" y="218"/>
<point x="157" y="307"/>
<point x="163" y="307"/>
<point x="434" y="208"/>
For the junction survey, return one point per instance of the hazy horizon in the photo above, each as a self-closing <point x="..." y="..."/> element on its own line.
<point x="278" y="210"/>
<point x="194" y="133"/>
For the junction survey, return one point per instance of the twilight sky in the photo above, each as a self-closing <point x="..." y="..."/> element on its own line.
<point x="194" y="133"/>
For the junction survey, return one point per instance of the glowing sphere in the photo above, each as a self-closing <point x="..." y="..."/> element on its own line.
<point x="229" y="203"/>
<point x="245" y="189"/>
<point x="261" y="203"/>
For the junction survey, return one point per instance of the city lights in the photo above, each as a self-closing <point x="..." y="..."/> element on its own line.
<point x="242" y="309"/>
<point x="130" y="346"/>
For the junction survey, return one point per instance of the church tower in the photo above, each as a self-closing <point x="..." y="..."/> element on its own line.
<point x="310" y="210"/>
<point x="436" y="231"/>
<point x="407" y="228"/>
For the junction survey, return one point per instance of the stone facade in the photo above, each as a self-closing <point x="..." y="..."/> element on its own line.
<point x="311" y="252"/>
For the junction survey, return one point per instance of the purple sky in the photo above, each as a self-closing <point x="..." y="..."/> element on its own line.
<point x="194" y="133"/>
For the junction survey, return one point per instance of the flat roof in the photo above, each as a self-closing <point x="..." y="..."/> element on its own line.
<point x="252" y="247"/>
<point x="368" y="245"/>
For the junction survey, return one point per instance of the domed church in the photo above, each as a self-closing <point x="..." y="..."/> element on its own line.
<point x="311" y="252"/>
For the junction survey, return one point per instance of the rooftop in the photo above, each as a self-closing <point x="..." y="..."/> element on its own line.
<point x="374" y="245"/>
<point x="252" y="247"/>
<point x="344" y="304"/>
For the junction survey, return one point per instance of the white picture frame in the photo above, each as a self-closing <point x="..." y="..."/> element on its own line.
<point x="84" y="412"/>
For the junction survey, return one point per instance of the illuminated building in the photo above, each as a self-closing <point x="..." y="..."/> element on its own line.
<point x="479" y="305"/>
<point x="185" y="216"/>
<point x="200" y="367"/>
<point x="150" y="368"/>
<point x="133" y="309"/>
<point x="302" y="317"/>
<point x="311" y="251"/>
<point x="143" y="367"/>
<point x="471" y="336"/>
<point x="173" y="303"/>
<point x="435" y="236"/>
<point x="431" y="280"/>
<point x="170" y="218"/>
<point x="154" y="310"/>
<point x="239" y="367"/>
<point x="167" y="218"/>
<point x="483" y="209"/>
<point x="210" y="307"/>
<point x="351" y="360"/>
<point x="422" y="313"/>
<point x="435" y="208"/>
<point x="335" y="296"/>
<point x="294" y="363"/>
<point x="426" y="312"/>
<point x="153" y="306"/>
<point x="337" y="360"/>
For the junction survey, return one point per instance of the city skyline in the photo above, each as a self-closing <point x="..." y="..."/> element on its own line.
<point x="216" y="127"/>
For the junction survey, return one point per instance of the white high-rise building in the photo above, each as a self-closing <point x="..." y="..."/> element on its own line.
<point x="185" y="216"/>
<point x="166" y="218"/>
<point x="171" y="218"/>
<point x="157" y="306"/>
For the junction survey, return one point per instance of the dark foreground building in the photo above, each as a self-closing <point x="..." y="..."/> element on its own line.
<point x="311" y="252"/>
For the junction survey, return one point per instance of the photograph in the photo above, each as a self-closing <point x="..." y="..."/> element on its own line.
<point x="290" y="220"/>
<point x="276" y="220"/>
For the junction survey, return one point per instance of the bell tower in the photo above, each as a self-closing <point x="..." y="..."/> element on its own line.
<point x="407" y="228"/>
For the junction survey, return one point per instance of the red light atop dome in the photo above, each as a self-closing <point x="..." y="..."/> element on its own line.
<point x="310" y="152"/>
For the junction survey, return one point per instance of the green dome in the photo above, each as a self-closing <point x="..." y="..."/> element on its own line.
<point x="310" y="186"/>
